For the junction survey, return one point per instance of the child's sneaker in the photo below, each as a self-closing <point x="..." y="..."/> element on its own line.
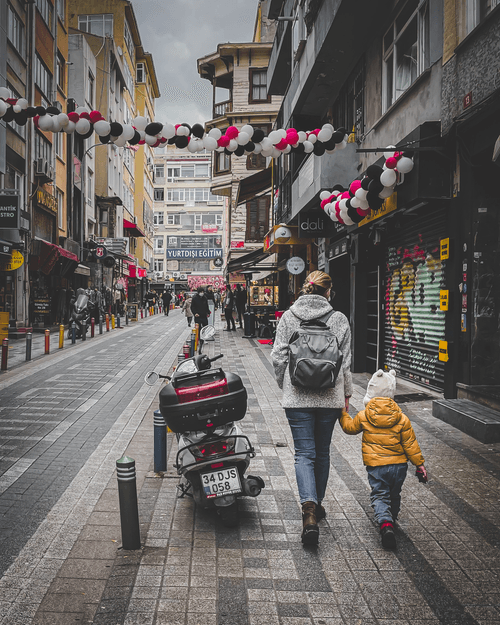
<point x="388" y="537"/>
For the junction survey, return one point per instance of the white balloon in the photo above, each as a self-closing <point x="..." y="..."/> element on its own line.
<point x="405" y="165"/>
<point x="276" y="153"/>
<point x="324" y="195"/>
<point x="341" y="146"/>
<point x="128" y="132"/>
<point x="56" y="125"/>
<point x="355" y="203"/>
<point x="386" y="192"/>
<point x="390" y="151"/>
<point x="192" y="146"/>
<point x="302" y="136"/>
<point x="258" y="148"/>
<point x="328" y="207"/>
<point x="363" y="204"/>
<point x="70" y="127"/>
<point x="3" y="108"/>
<point x="210" y="143"/>
<point x="267" y="152"/>
<point x="17" y="108"/>
<point x="233" y="145"/>
<point x="45" y="123"/>
<point x="23" y="103"/>
<point x="266" y="143"/>
<point x="282" y="133"/>
<point x="308" y="147"/>
<point x="329" y="126"/>
<point x="248" y="129"/>
<point x="287" y="150"/>
<point x="199" y="145"/>
<point x="325" y="134"/>
<point x="388" y="177"/>
<point x="312" y="138"/>
<point x="81" y="109"/>
<point x="82" y="126"/>
<point x="274" y="136"/>
<point x="215" y="133"/>
<point x="5" y="93"/>
<point x="347" y="220"/>
<point x="150" y="139"/>
<point x="219" y="149"/>
<point x="168" y="131"/>
<point x="63" y="120"/>
<point x="361" y="194"/>
<point x="120" y="141"/>
<point x="243" y="138"/>
<point x="182" y="131"/>
<point x="139" y="122"/>
<point x="142" y="135"/>
<point x="102" y="127"/>
<point x="333" y="216"/>
<point x="342" y="204"/>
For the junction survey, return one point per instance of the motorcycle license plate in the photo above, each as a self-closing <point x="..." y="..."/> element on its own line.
<point x="220" y="483"/>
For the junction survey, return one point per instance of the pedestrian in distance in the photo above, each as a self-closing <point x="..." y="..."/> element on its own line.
<point x="217" y="297"/>
<point x="241" y="301"/>
<point x="388" y="443"/>
<point x="313" y="412"/>
<point x="186" y="309"/>
<point x="210" y="295"/>
<point x="228" y="309"/>
<point x="199" y="307"/>
<point x="167" y="299"/>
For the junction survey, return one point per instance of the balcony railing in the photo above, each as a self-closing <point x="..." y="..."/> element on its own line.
<point x="222" y="108"/>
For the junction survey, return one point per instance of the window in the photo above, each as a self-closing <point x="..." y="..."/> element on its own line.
<point x="100" y="24"/>
<point x="222" y="162"/>
<point x="60" y="9"/>
<point x="176" y="195"/>
<point x="218" y="220"/>
<point x="348" y="110"/>
<point x="159" y="171"/>
<point x="60" y="67"/>
<point x="158" y="218"/>
<point x="43" y="149"/>
<point x="158" y="264"/>
<point x="46" y="10"/>
<point x="90" y="90"/>
<point x="129" y="81"/>
<point x="21" y="130"/>
<point x="140" y="73"/>
<point x="477" y="10"/>
<point x="258" y="86"/>
<point x="58" y="143"/>
<point x="173" y="173"/>
<point x="129" y="42"/>
<point x="173" y="220"/>
<point x="158" y="244"/>
<point x="198" y="221"/>
<point x="257" y="219"/>
<point x="14" y="179"/>
<point x="406" y="50"/>
<point x="159" y="195"/>
<point x="60" y="208"/>
<point x="191" y="170"/>
<point x="43" y="78"/>
<point x="90" y="187"/>
<point x="15" y="30"/>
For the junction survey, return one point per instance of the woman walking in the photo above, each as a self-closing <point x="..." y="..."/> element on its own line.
<point x="312" y="413"/>
<point x="186" y="308"/>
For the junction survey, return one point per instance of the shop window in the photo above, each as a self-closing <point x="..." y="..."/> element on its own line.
<point x="258" y="86"/>
<point x="257" y="219"/>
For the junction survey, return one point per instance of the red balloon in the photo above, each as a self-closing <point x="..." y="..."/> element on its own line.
<point x="398" y="155"/>
<point x="163" y="140"/>
<point x="346" y="195"/>
<point x="282" y="144"/>
<point x="391" y="163"/>
<point x="35" y="120"/>
<point x="142" y="142"/>
<point x="354" y="186"/>
<point x="292" y="138"/>
<point x="323" y="202"/>
<point x="85" y="115"/>
<point x="155" y="145"/>
<point x="73" y="117"/>
<point x="95" y="116"/>
<point x="232" y="132"/>
<point x="11" y="101"/>
<point x="223" y="142"/>
<point x="363" y="211"/>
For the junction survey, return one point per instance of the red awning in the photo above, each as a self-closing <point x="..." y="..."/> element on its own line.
<point x="133" y="229"/>
<point x="45" y="256"/>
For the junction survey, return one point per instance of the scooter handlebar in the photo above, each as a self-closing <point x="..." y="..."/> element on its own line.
<point x="216" y="357"/>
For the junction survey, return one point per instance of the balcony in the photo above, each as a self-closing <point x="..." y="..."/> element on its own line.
<point x="221" y="109"/>
<point x="280" y="63"/>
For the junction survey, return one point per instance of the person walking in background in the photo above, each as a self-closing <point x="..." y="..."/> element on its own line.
<point x="241" y="301"/>
<point x="388" y="443"/>
<point x="312" y="413"/>
<point x="211" y="303"/>
<point x="166" y="299"/>
<point x="199" y="307"/>
<point x="229" y="308"/>
<point x="186" y="309"/>
<point x="217" y="298"/>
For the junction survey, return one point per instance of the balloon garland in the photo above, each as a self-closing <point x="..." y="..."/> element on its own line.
<point x="352" y="205"/>
<point x="240" y="142"/>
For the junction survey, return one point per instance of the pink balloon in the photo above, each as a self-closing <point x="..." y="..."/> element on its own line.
<point x="363" y="211"/>
<point x="282" y="144"/>
<point x="323" y="202"/>
<point x="391" y="163"/>
<point x="354" y="186"/>
<point x="232" y="132"/>
<point x="223" y="142"/>
<point x="345" y="195"/>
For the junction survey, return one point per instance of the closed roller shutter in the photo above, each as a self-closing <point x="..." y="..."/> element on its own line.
<point x="414" y="324"/>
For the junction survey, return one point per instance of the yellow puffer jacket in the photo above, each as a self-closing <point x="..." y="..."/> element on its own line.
<point x="388" y="437"/>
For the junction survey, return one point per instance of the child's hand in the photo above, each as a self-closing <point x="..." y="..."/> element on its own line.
<point x="421" y="473"/>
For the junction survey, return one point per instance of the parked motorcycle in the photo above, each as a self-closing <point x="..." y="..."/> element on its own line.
<point x="201" y="405"/>
<point x="81" y="313"/>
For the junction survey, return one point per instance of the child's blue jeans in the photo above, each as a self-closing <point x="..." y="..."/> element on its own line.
<point x="386" y="482"/>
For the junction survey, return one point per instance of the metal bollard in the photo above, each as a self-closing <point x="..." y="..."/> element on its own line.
<point x="73" y="333"/>
<point x="61" y="336"/>
<point x="113" y="323"/>
<point x="84" y="330"/>
<point x="193" y="342"/>
<point x="5" y="354"/>
<point x="126" y="318"/>
<point x="100" y="324"/>
<point x="142" y="313"/>
<point x="160" y="442"/>
<point x="107" y="322"/>
<point x="129" y="512"/>
<point x="118" y="320"/>
<point x="92" y="328"/>
<point x="47" y="341"/>
<point x="29" y="342"/>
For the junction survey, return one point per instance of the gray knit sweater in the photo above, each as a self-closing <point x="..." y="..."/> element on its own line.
<point x="309" y="307"/>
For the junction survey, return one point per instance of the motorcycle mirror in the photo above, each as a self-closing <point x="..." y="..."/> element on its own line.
<point x="151" y="378"/>
<point x="207" y="333"/>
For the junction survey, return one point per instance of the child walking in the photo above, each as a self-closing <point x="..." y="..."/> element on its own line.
<point x="388" y="443"/>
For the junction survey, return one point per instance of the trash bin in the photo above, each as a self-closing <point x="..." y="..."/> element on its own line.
<point x="249" y="325"/>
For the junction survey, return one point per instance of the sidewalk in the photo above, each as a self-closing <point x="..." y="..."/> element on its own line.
<point x="193" y="571"/>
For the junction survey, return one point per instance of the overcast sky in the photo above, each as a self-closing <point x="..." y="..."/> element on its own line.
<point x="177" y="33"/>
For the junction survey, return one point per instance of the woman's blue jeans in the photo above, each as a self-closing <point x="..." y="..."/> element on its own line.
<point x="386" y="482"/>
<point x="312" y="430"/>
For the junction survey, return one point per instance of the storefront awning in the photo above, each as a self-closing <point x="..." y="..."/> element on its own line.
<point x="257" y="261"/>
<point x="255" y="185"/>
<point x="82" y="270"/>
<point x="45" y="257"/>
<point x="5" y="248"/>
<point x="132" y="230"/>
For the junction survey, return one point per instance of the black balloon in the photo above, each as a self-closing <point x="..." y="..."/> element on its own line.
<point x="52" y="110"/>
<point x="374" y="172"/>
<point x="171" y="141"/>
<point x="240" y="150"/>
<point x="135" y="139"/>
<point x="226" y="151"/>
<point x="374" y="201"/>
<point x="181" y="142"/>
<point x="365" y="182"/>
<point x="40" y="110"/>
<point x="198" y="131"/>
<point x="375" y="186"/>
<point x="353" y="214"/>
<point x="319" y="148"/>
<point x="116" y="129"/>
<point x="250" y="146"/>
<point x="104" y="138"/>
<point x="338" y="136"/>
<point x="89" y="133"/>
<point x="409" y="153"/>
<point x="348" y="203"/>
<point x="9" y="115"/>
<point x="342" y="130"/>
<point x="338" y="187"/>
<point x="299" y="149"/>
<point x="258" y="135"/>
<point x="154" y="128"/>
<point x="329" y="145"/>
<point x="21" y="118"/>
<point x="30" y="111"/>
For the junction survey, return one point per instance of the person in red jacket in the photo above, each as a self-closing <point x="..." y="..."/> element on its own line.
<point x="388" y="443"/>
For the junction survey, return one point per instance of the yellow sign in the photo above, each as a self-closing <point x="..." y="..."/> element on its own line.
<point x="389" y="205"/>
<point x="13" y="263"/>
<point x="444" y="245"/>
<point x="443" y="351"/>
<point x="444" y="300"/>
<point x="280" y="236"/>
<point x="47" y="200"/>
<point x="4" y="326"/>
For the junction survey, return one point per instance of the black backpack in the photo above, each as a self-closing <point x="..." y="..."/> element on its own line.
<point x="315" y="357"/>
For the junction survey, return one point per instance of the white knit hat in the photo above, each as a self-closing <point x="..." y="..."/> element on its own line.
<point x="382" y="384"/>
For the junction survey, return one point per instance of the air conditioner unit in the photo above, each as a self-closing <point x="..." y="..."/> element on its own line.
<point x="41" y="167"/>
<point x="176" y="274"/>
<point x="159" y="274"/>
<point x="167" y="276"/>
<point x="183" y="276"/>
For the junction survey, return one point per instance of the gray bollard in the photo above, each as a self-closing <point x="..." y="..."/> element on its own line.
<point x="118" y="320"/>
<point x="126" y="318"/>
<point x="73" y="333"/>
<point x="29" y="343"/>
<point x="160" y="442"/>
<point x="100" y="324"/>
<point x="129" y="511"/>
<point x="84" y="331"/>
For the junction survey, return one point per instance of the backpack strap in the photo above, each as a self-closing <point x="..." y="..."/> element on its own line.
<point x="326" y="317"/>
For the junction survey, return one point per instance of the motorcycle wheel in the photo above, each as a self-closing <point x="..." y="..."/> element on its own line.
<point x="229" y="515"/>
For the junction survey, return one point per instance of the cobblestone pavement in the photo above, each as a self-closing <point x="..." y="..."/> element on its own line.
<point x="193" y="571"/>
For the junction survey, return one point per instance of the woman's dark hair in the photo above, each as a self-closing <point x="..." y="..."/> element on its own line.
<point x="317" y="283"/>
<point x="200" y="289"/>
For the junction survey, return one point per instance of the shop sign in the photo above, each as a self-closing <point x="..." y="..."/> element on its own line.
<point x="389" y="205"/>
<point x="314" y="224"/>
<point x="9" y="210"/>
<point x="444" y="298"/>
<point x="237" y="244"/>
<point x="47" y="200"/>
<point x="443" y="351"/>
<point x="194" y="241"/>
<point x="218" y="262"/>
<point x="195" y="253"/>
<point x="41" y="305"/>
<point x="295" y="265"/>
<point x="100" y="252"/>
<point x="337" y="249"/>
<point x="281" y="235"/>
<point x="209" y="228"/>
<point x="12" y="263"/>
<point x="444" y="249"/>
